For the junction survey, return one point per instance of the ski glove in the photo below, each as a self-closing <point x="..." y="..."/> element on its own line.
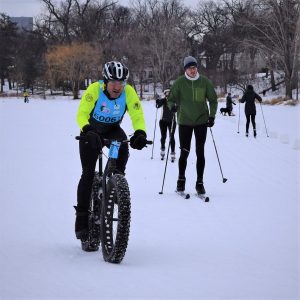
<point x="210" y="122"/>
<point x="92" y="137"/>
<point x="138" y="140"/>
<point x="159" y="103"/>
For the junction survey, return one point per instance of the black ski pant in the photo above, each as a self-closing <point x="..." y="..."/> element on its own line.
<point x="185" y="137"/>
<point x="89" y="157"/>
<point x="252" y="121"/>
<point x="164" y="127"/>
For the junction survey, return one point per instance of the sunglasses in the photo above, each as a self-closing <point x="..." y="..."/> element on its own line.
<point x="117" y="83"/>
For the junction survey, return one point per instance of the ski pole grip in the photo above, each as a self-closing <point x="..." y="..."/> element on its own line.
<point x="80" y="138"/>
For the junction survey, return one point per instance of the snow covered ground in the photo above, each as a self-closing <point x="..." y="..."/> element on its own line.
<point x="243" y="244"/>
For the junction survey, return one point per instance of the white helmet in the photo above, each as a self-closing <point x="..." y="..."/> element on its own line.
<point x="114" y="70"/>
<point x="167" y="91"/>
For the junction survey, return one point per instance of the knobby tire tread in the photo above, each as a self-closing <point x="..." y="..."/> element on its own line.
<point x="114" y="249"/>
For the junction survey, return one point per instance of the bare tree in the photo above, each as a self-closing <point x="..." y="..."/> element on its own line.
<point x="8" y="38"/>
<point x="92" y="20"/>
<point x="276" y="27"/>
<point x="75" y="20"/>
<point x="160" y="23"/>
<point x="60" y="16"/>
<point x="212" y="24"/>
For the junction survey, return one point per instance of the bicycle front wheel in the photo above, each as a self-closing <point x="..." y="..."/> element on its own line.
<point x="115" y="219"/>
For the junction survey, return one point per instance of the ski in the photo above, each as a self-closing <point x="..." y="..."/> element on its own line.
<point x="183" y="194"/>
<point x="204" y="197"/>
<point x="172" y="157"/>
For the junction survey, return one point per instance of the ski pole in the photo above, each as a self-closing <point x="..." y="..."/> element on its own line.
<point x="172" y="132"/>
<point x="224" y="179"/>
<point x="154" y="132"/>
<point x="264" y="119"/>
<point x="239" y="117"/>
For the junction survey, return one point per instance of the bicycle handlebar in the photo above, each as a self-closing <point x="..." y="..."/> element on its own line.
<point x="107" y="142"/>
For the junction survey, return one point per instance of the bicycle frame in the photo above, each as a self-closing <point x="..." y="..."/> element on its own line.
<point x="113" y="196"/>
<point x="110" y="167"/>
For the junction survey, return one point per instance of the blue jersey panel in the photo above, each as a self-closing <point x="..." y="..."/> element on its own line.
<point x="109" y="111"/>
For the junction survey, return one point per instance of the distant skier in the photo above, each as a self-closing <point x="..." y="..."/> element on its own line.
<point x="26" y="95"/>
<point x="229" y="103"/>
<point x="165" y="124"/>
<point x="250" y="108"/>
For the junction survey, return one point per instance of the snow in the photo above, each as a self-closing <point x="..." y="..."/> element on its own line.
<point x="243" y="244"/>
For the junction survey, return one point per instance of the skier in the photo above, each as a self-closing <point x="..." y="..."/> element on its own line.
<point x="26" y="95"/>
<point x="99" y="116"/>
<point x="229" y="103"/>
<point x="188" y="97"/>
<point x="250" y="108"/>
<point x="165" y="123"/>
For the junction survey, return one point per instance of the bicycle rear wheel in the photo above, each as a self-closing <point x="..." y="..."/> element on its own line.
<point x="115" y="219"/>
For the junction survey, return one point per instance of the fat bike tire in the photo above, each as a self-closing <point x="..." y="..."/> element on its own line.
<point x="115" y="219"/>
<point x="92" y="241"/>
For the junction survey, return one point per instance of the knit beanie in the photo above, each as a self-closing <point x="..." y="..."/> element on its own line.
<point x="189" y="61"/>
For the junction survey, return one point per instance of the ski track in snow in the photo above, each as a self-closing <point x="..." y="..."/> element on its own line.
<point x="243" y="244"/>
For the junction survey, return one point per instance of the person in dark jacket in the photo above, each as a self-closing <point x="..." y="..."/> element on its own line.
<point x="229" y="103"/>
<point x="165" y="124"/>
<point x="194" y="99"/>
<point x="250" y="107"/>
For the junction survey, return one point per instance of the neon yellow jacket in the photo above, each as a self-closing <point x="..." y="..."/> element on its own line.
<point x="89" y="100"/>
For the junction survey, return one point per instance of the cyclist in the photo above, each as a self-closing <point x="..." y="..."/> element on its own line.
<point x="99" y="116"/>
<point x="26" y="95"/>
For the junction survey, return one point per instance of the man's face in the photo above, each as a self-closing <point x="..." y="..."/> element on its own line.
<point x="115" y="88"/>
<point x="192" y="71"/>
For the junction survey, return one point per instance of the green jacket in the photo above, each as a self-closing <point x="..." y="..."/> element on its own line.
<point x="89" y="100"/>
<point x="191" y="97"/>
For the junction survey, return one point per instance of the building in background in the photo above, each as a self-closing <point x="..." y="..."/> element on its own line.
<point x="23" y="23"/>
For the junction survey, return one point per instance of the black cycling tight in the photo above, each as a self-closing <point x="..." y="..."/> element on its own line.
<point x="185" y="137"/>
<point x="88" y="157"/>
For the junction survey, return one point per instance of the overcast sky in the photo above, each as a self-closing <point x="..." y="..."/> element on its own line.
<point x="32" y="8"/>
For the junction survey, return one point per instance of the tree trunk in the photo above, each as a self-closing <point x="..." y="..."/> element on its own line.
<point x="272" y="80"/>
<point x="2" y="84"/>
<point x="288" y="88"/>
<point x="9" y="84"/>
<point x="141" y="85"/>
<point x="76" y="89"/>
<point x="231" y="64"/>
